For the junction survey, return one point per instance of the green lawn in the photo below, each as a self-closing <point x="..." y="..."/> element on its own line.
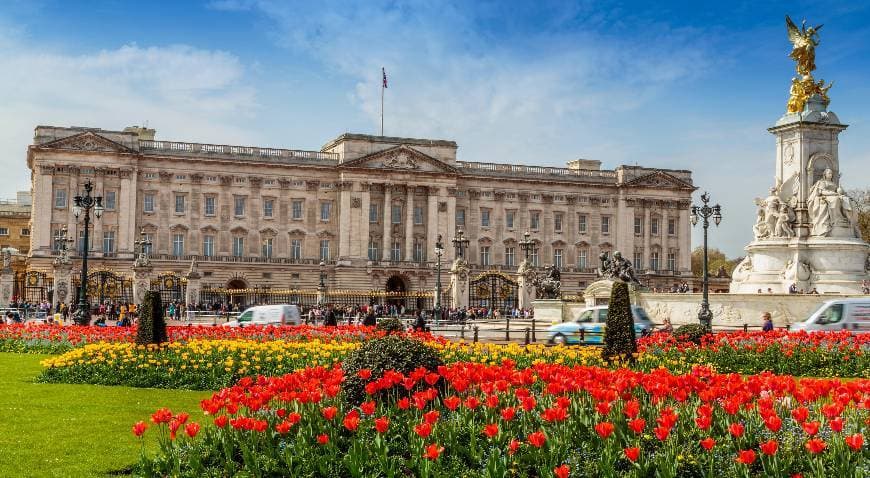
<point x="73" y="430"/>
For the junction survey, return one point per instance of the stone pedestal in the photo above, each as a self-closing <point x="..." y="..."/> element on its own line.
<point x="549" y="311"/>
<point x="525" y="286"/>
<point x="141" y="281"/>
<point x="191" y="292"/>
<point x="806" y="228"/>
<point x="7" y="286"/>
<point x="63" y="288"/>
<point x="459" y="284"/>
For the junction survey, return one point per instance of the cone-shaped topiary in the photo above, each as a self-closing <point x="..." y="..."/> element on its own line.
<point x="391" y="325"/>
<point x="393" y="352"/>
<point x="619" y="340"/>
<point x="152" y="326"/>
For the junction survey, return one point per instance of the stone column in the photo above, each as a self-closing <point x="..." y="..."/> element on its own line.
<point x="346" y="223"/>
<point x="449" y="253"/>
<point x="41" y="211"/>
<point x="459" y="284"/>
<point x="647" y="233"/>
<point x="7" y="282"/>
<point x="127" y="211"/>
<point x="63" y="290"/>
<point x="431" y="221"/>
<point x="141" y="282"/>
<point x="362" y="250"/>
<point x="386" y="216"/>
<point x="409" y="224"/>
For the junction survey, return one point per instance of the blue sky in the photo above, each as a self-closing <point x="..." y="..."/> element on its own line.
<point x="685" y="85"/>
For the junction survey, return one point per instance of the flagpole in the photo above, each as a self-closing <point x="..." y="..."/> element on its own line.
<point x="382" y="108"/>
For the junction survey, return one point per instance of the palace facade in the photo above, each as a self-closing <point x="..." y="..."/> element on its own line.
<point x="370" y="208"/>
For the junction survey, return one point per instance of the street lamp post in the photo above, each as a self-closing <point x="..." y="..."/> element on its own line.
<point x="528" y="246"/>
<point x="705" y="212"/>
<point x="460" y="243"/>
<point x="83" y="205"/>
<point x="321" y="289"/>
<point x="439" y="251"/>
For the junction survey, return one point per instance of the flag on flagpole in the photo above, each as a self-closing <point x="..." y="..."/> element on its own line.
<point x="385" y="76"/>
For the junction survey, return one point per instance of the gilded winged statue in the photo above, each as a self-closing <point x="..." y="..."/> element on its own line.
<point x="804" y="41"/>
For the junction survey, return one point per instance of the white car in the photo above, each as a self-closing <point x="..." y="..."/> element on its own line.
<point x="282" y="314"/>
<point x="839" y="314"/>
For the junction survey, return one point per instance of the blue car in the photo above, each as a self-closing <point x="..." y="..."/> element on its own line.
<point x="592" y="322"/>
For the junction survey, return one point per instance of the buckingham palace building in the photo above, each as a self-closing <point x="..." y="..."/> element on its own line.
<point x="362" y="213"/>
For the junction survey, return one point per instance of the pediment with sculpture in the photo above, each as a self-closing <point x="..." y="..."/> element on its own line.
<point x="402" y="158"/>
<point x="87" y="141"/>
<point x="659" y="180"/>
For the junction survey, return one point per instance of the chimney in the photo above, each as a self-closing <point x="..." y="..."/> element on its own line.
<point x="145" y="133"/>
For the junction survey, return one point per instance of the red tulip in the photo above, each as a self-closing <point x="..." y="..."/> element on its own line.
<point x="836" y="424"/>
<point x="631" y="408"/>
<point x="708" y="443"/>
<point x="161" y="416"/>
<point x="704" y="422"/>
<point x="423" y="429"/>
<point x="773" y="423"/>
<point x="293" y="418"/>
<point x="507" y="414"/>
<point x="433" y="451"/>
<point x="328" y="412"/>
<point x="490" y="430"/>
<point x="745" y="456"/>
<point x="351" y="421"/>
<point x="662" y="432"/>
<point x="637" y="425"/>
<point x="191" y="429"/>
<point x="800" y="414"/>
<point x="603" y="408"/>
<point x="404" y="403"/>
<point x="815" y="446"/>
<point x="220" y="421"/>
<point x="769" y="447"/>
<point x="452" y="402"/>
<point x="364" y="374"/>
<point x="604" y="429"/>
<point x="431" y="416"/>
<point x="381" y="424"/>
<point x="368" y="408"/>
<point x="513" y="446"/>
<point x="139" y="428"/>
<point x="736" y="429"/>
<point x="855" y="442"/>
<point x="811" y="428"/>
<point x="283" y="428"/>
<point x="632" y="453"/>
<point x="537" y="439"/>
<point x="322" y="439"/>
<point x="562" y="471"/>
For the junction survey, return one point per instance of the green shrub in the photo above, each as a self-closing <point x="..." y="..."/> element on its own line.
<point x="691" y="333"/>
<point x="392" y="352"/>
<point x="391" y="325"/>
<point x="619" y="340"/>
<point x="152" y="326"/>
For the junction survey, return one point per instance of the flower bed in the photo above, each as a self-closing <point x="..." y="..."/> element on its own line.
<point x="820" y="354"/>
<point x="498" y="420"/>
<point x="55" y="339"/>
<point x="209" y="364"/>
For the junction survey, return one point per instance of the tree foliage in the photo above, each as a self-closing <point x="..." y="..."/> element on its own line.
<point x="619" y="339"/>
<point x="715" y="260"/>
<point x="861" y="199"/>
<point x="152" y="326"/>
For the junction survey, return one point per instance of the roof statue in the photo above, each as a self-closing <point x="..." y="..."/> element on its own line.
<point x="804" y="41"/>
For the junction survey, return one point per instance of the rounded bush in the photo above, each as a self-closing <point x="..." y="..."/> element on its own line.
<point x="391" y="325"/>
<point x="691" y="333"/>
<point x="392" y="352"/>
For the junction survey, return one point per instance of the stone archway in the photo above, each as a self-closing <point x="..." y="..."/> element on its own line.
<point x="237" y="284"/>
<point x="396" y="284"/>
<point x="239" y="299"/>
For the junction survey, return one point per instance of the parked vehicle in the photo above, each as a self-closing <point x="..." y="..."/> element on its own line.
<point x="838" y="314"/>
<point x="592" y="322"/>
<point x="282" y="314"/>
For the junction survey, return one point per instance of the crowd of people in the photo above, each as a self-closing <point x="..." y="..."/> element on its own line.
<point x="677" y="288"/>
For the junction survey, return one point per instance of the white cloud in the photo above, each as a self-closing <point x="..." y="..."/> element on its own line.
<point x="196" y="94"/>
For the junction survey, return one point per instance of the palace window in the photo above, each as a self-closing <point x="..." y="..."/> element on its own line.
<point x="581" y="259"/>
<point x="396" y="214"/>
<point x="460" y="217"/>
<point x="179" y="204"/>
<point x="4" y="231"/>
<point x="267" y="247"/>
<point x="268" y="207"/>
<point x="638" y="260"/>
<point x="374" y="254"/>
<point x="150" y="175"/>
<point x="148" y="203"/>
<point x="418" y="215"/>
<point x="509" y="219"/>
<point x="654" y="261"/>
<point x="110" y="202"/>
<point x="484" y="255"/>
<point x="509" y="256"/>
<point x="208" y="245"/>
<point x="178" y="245"/>
<point x="672" y="261"/>
<point x="396" y="252"/>
<point x="25" y="232"/>
<point x="582" y="223"/>
<point x="238" y="246"/>
<point x="638" y="226"/>
<point x="60" y="198"/>
<point x="534" y="220"/>
<point x="484" y="217"/>
<point x="605" y="224"/>
<point x="149" y="247"/>
<point x="239" y="206"/>
<point x="180" y="177"/>
<point x="81" y="243"/>
<point x="418" y="252"/>
<point x="557" y="222"/>
<point x="654" y="226"/>
<point x="296" y="249"/>
<point x="324" y="249"/>
<point x="672" y="227"/>
<point x="325" y="210"/>
<point x="209" y="205"/>
<point x="108" y="242"/>
<point x="557" y="258"/>
<point x="297" y="209"/>
<point x="533" y="257"/>
<point x="373" y="214"/>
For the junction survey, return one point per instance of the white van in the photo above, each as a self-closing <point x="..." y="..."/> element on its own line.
<point x="282" y="314"/>
<point x="839" y="314"/>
